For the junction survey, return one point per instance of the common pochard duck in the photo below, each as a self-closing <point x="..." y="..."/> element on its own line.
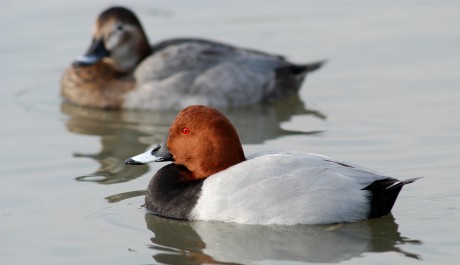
<point x="211" y="179"/>
<point x="121" y="70"/>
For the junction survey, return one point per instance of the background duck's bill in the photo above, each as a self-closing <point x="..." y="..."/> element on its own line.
<point x="85" y="60"/>
<point x="95" y="53"/>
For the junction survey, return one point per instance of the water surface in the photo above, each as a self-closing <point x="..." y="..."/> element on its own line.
<point x="388" y="99"/>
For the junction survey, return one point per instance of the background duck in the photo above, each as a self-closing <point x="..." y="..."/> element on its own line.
<point x="210" y="179"/>
<point x="121" y="70"/>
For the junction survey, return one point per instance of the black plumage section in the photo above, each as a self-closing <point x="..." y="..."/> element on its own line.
<point x="171" y="194"/>
<point x="384" y="193"/>
<point x="338" y="163"/>
<point x="289" y="78"/>
<point x="304" y="68"/>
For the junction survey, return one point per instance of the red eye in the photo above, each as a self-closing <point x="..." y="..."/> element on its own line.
<point x="185" y="130"/>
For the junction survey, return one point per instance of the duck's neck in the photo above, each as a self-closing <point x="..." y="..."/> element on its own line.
<point x="218" y="162"/>
<point x="171" y="193"/>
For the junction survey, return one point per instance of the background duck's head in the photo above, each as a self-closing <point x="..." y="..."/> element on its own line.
<point x="118" y="40"/>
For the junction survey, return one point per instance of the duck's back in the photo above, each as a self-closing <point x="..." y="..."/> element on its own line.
<point x="183" y="72"/>
<point x="287" y="188"/>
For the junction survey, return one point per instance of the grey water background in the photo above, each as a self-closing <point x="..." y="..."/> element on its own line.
<point x="388" y="99"/>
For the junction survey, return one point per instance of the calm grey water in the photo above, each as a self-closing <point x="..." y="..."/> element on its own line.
<point x="388" y="99"/>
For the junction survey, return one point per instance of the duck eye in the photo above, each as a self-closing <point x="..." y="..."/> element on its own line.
<point x="120" y="27"/>
<point x="185" y="130"/>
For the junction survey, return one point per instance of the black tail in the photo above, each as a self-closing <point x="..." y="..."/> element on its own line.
<point x="297" y="69"/>
<point x="289" y="78"/>
<point x="314" y="66"/>
<point x="384" y="193"/>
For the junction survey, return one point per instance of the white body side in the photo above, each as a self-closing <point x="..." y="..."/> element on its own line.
<point x="287" y="188"/>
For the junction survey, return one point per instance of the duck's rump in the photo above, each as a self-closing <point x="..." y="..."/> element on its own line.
<point x="293" y="188"/>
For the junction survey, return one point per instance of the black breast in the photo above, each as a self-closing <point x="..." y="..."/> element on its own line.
<point x="168" y="195"/>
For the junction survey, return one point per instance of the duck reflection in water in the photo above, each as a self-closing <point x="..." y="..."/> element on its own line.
<point x="123" y="133"/>
<point x="181" y="242"/>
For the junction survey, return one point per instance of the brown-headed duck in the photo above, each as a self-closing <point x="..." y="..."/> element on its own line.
<point x="121" y="70"/>
<point x="211" y="179"/>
